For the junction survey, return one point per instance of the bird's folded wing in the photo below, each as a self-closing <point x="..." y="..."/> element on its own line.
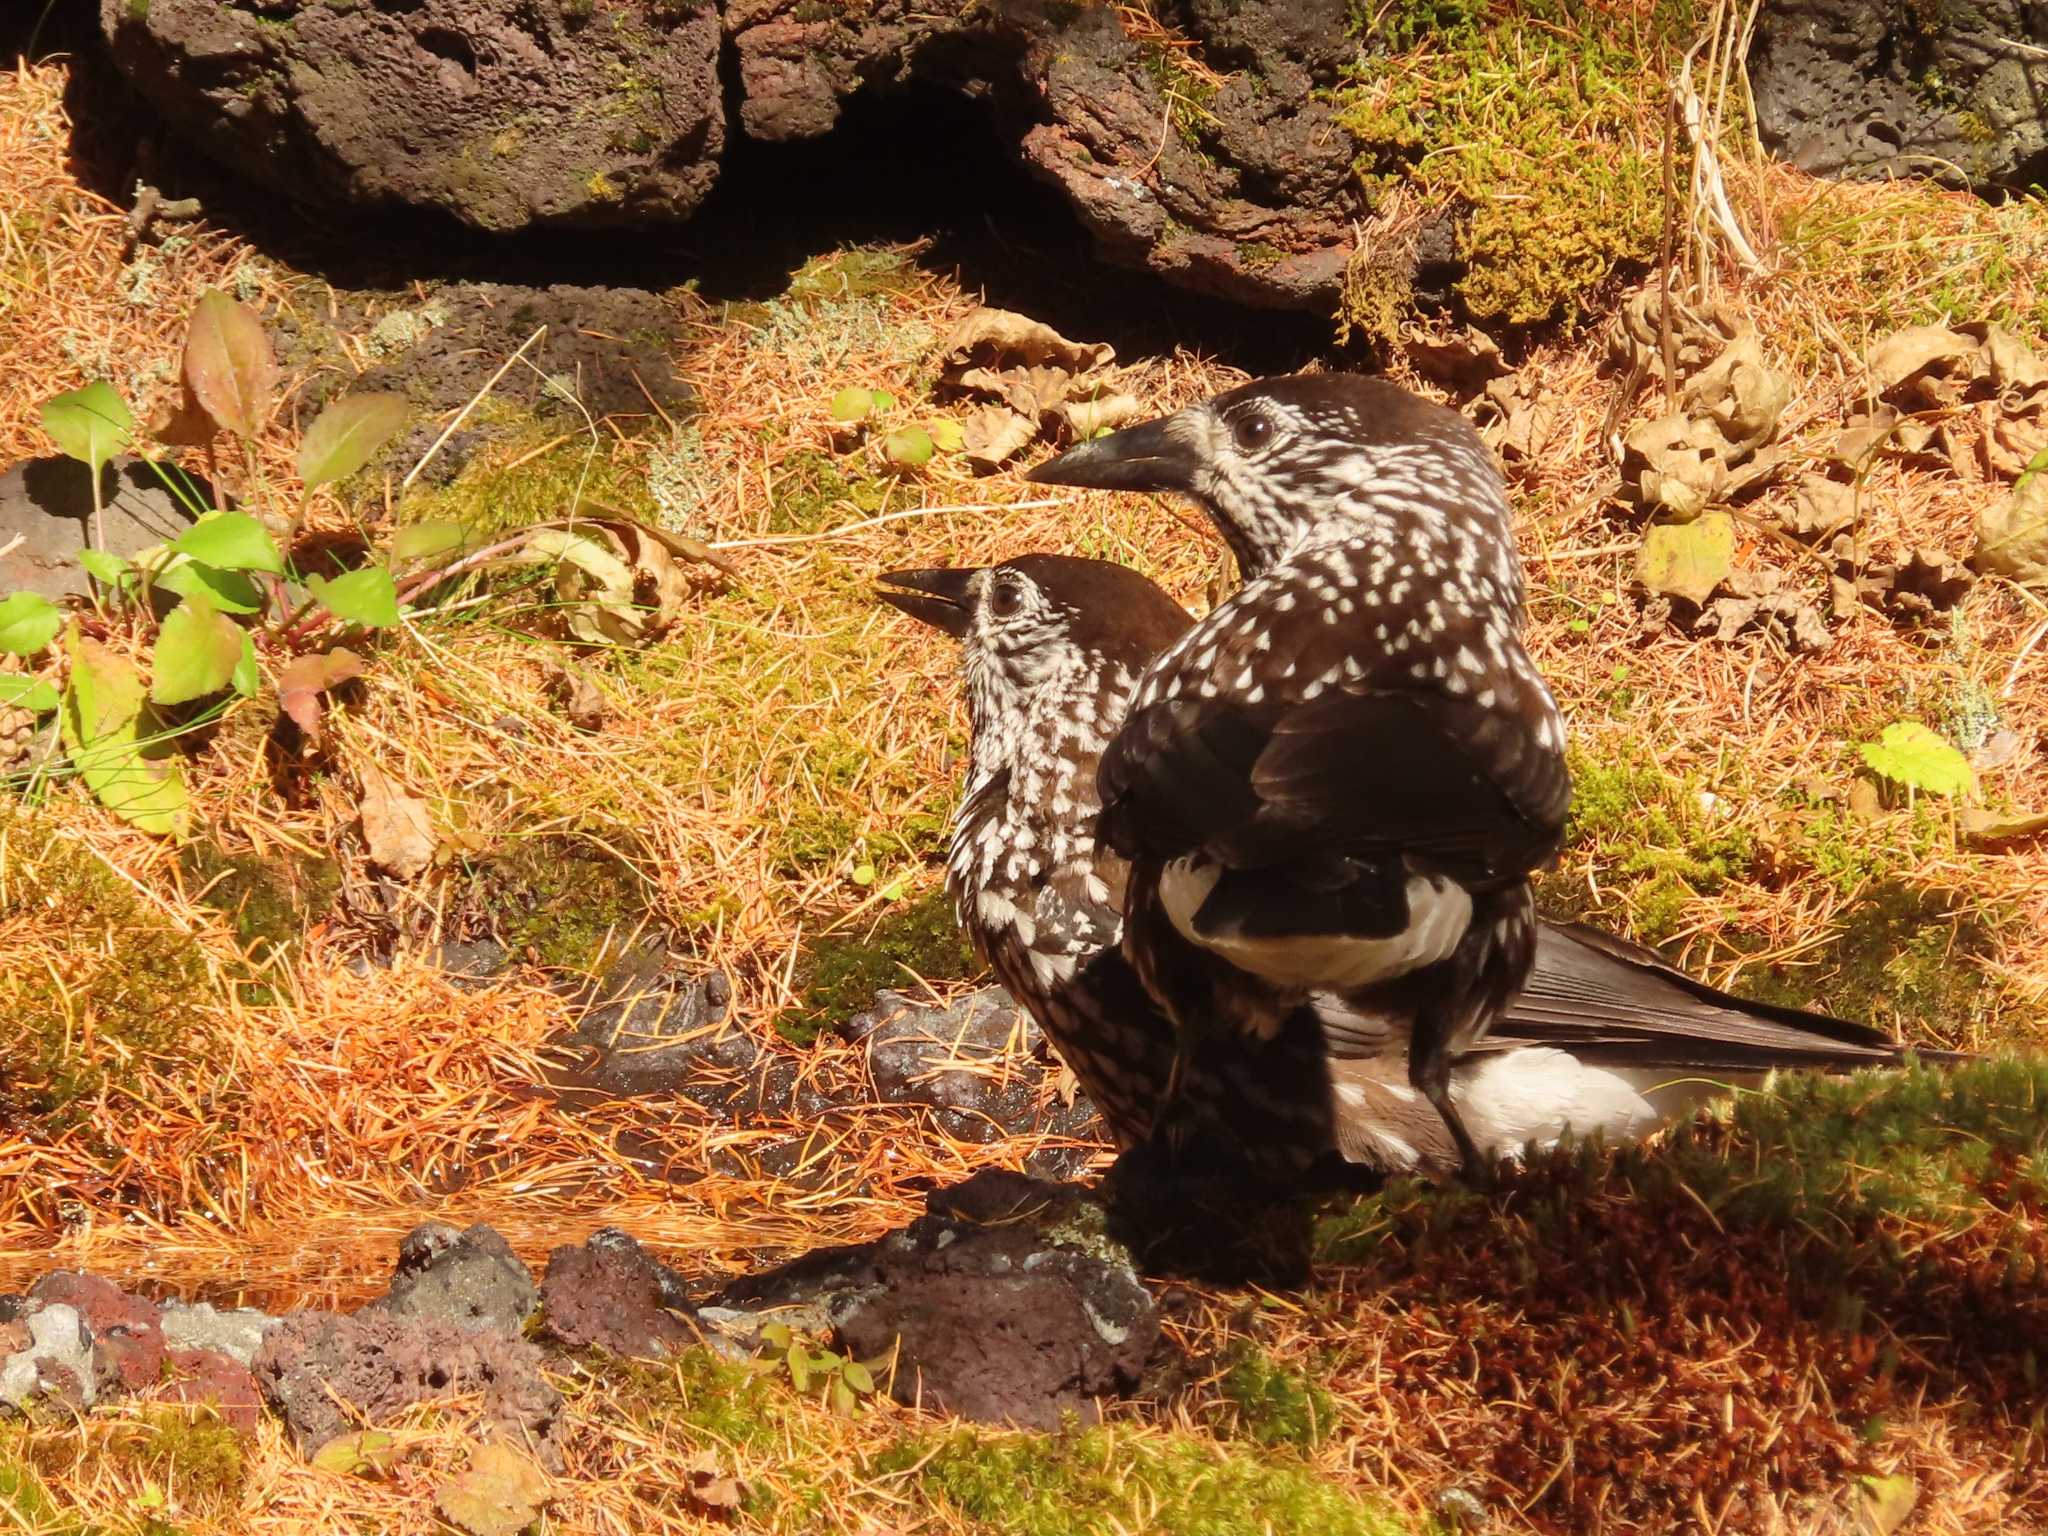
<point x="1379" y="773"/>
<point x="1609" y="1001"/>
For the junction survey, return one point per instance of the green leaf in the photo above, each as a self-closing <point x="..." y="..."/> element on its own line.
<point x="844" y="1403"/>
<point x="428" y="541"/>
<point x="884" y="401"/>
<point x="1688" y="560"/>
<point x="29" y="693"/>
<point x="247" y="676"/>
<point x="104" y="725"/>
<point x="90" y="424"/>
<point x="859" y="1377"/>
<point x="863" y="874"/>
<point x="198" y="650"/>
<point x="853" y="405"/>
<point x="344" y="437"/>
<point x="230" y="541"/>
<point x="28" y="622"/>
<point x="799" y="1367"/>
<point x="947" y="435"/>
<point x="777" y="1335"/>
<point x="368" y="597"/>
<point x="366" y="1453"/>
<point x="229" y="591"/>
<point x="908" y="446"/>
<point x="1909" y="754"/>
<point x="228" y="363"/>
<point x="108" y="570"/>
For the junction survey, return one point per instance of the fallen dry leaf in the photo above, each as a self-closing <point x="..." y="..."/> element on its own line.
<point x="1820" y="509"/>
<point x="1741" y="394"/>
<point x="1674" y="465"/>
<point x="2012" y="536"/>
<point x="1687" y="560"/>
<point x="1466" y="360"/>
<point x="395" y="825"/>
<point x="618" y="580"/>
<point x="1004" y="338"/>
<point x="302" y="682"/>
<point x="581" y="699"/>
<point x="1993" y="830"/>
<point x="500" y="1495"/>
<point x="1026" y="379"/>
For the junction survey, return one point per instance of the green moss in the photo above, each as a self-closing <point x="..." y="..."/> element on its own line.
<point x="138" y="10"/>
<point x="853" y="274"/>
<point x="1656" y="843"/>
<point x="1257" y="255"/>
<point x="812" y="493"/>
<point x="1100" y="1481"/>
<point x="1530" y="117"/>
<point x="501" y="492"/>
<point x="562" y="901"/>
<point x="1275" y="1405"/>
<point x="118" y="984"/>
<point x="271" y="900"/>
<point x="197" y="1453"/>
<point x="23" y="1499"/>
<point x="1901" y="960"/>
<point x="842" y="972"/>
<point x="1187" y="95"/>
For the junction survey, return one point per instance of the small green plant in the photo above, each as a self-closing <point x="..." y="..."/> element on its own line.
<point x="840" y="1382"/>
<point x="244" y="612"/>
<point x="1911" y="756"/>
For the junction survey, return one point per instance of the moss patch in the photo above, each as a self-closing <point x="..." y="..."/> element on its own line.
<point x="1466" y="100"/>
<point x="197" y="1453"/>
<point x="1102" y="1480"/>
<point x="1656" y="841"/>
<point x="503" y="488"/>
<point x="108" y="985"/>
<point x="271" y="900"/>
<point x="561" y="901"/>
<point x="1275" y="1405"/>
<point x="814" y="492"/>
<point x="843" y="972"/>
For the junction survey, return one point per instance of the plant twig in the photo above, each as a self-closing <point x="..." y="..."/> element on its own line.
<point x="463" y="415"/>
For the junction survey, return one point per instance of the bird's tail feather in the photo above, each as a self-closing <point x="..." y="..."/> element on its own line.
<point x="1617" y="1004"/>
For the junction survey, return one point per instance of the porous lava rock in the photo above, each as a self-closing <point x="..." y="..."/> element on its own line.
<point x="1876" y="88"/>
<point x="471" y="1279"/>
<point x="327" y="1374"/>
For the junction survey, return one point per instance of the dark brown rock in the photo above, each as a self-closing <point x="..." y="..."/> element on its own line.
<point x="1878" y="88"/>
<point x="1008" y="1303"/>
<point x="611" y="1293"/>
<point x="511" y="113"/>
<point x="327" y="1374"/>
<point x="502" y="113"/>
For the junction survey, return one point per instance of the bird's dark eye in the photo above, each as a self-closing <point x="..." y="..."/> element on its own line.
<point x="1006" y="599"/>
<point x="1251" y="432"/>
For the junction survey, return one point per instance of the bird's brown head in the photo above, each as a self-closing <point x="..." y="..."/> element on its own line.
<point x="1275" y="461"/>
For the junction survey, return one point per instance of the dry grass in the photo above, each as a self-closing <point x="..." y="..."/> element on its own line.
<point x="342" y="1106"/>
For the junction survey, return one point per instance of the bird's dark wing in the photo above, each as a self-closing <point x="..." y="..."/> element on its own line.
<point x="1617" y="1004"/>
<point x="1363" y="774"/>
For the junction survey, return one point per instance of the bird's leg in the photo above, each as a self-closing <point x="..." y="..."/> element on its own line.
<point x="1429" y="1071"/>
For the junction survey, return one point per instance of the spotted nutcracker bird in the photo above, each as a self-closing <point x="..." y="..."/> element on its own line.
<point x="1605" y="1038"/>
<point x="1341" y="778"/>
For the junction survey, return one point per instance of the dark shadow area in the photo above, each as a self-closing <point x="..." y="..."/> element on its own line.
<point x="922" y="165"/>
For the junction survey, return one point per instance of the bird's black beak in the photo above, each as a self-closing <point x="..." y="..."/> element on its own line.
<point x="1151" y="456"/>
<point x="938" y="596"/>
